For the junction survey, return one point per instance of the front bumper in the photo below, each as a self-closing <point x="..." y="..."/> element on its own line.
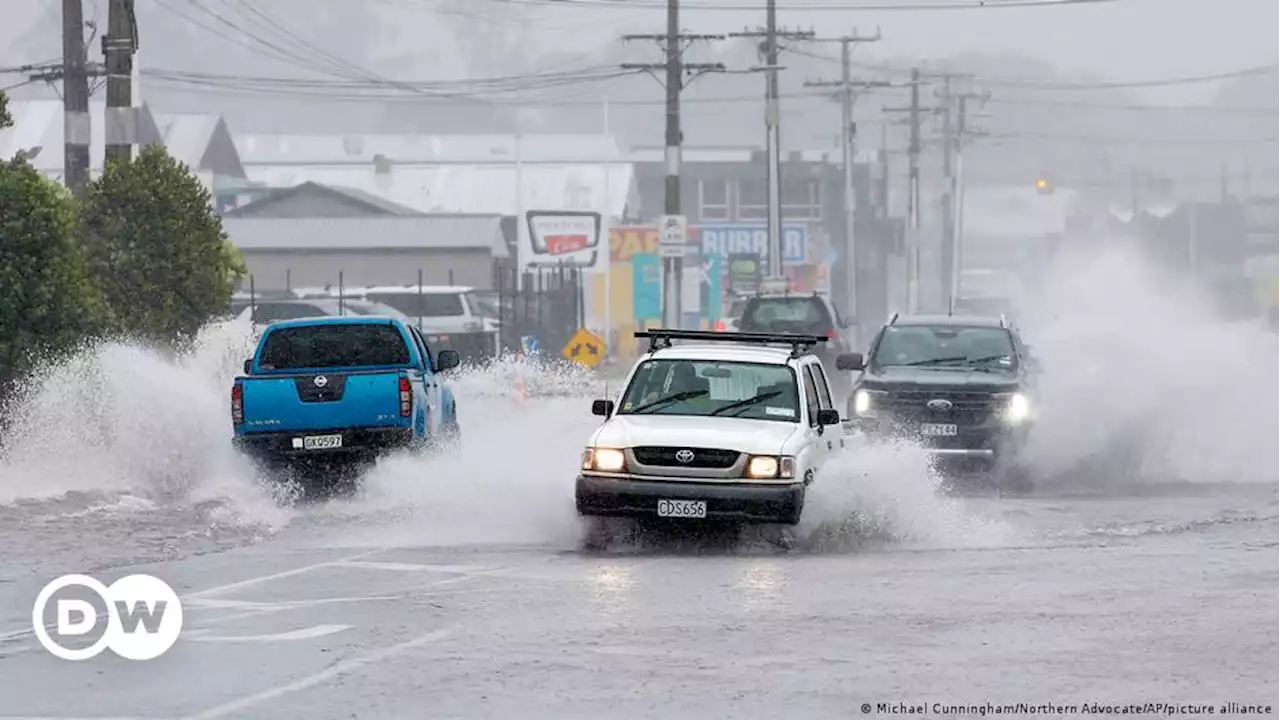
<point x="986" y="442"/>
<point x="356" y="444"/>
<point x="619" y="496"/>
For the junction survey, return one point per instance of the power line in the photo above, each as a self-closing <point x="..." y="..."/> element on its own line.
<point x="942" y="5"/>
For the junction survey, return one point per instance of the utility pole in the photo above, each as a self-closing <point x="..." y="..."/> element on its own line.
<point x="848" y="146"/>
<point x="675" y="69"/>
<point x="76" y="130"/>
<point x="118" y="46"/>
<point x="948" y="197"/>
<point x="913" y="191"/>
<point x="772" y="128"/>
<point x="953" y="250"/>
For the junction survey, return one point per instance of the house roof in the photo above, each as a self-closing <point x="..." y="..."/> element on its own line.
<point x="39" y="124"/>
<point x="437" y="232"/>
<point x="486" y="189"/>
<point x="374" y="203"/>
<point x="466" y="149"/>
<point x="187" y="137"/>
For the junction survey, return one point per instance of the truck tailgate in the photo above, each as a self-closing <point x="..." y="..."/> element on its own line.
<point x="322" y="401"/>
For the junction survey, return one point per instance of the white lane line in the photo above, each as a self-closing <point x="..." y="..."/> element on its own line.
<point x="303" y="634"/>
<point x="54" y="717"/>
<point x="275" y="576"/>
<point x="249" y="701"/>
<point x="409" y="567"/>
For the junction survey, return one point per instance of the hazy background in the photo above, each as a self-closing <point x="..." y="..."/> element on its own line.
<point x="1175" y="137"/>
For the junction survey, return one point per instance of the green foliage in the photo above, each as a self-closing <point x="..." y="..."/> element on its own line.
<point x="156" y="247"/>
<point x="5" y="119"/>
<point x="47" y="303"/>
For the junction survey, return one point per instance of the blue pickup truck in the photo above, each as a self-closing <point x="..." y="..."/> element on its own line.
<point x="341" y="391"/>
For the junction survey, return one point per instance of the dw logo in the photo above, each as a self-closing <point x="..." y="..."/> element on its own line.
<point x="143" y="617"/>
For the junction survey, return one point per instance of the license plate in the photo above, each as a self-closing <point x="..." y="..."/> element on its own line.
<point x="322" y="442"/>
<point x="936" y="430"/>
<point x="682" y="508"/>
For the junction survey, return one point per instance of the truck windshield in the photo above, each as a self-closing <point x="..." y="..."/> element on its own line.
<point x="713" y="388"/>
<point x="944" y="346"/>
<point x="333" y="345"/>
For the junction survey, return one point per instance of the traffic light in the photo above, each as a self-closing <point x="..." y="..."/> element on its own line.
<point x="1044" y="187"/>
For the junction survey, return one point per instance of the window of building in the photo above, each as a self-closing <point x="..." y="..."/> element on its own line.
<point x="713" y="199"/>
<point x="801" y="199"/>
<point x="753" y="199"/>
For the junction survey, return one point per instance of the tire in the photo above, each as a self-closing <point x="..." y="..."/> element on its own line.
<point x="1013" y="479"/>
<point x="792" y="514"/>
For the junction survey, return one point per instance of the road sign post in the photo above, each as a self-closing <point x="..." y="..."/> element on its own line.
<point x="673" y="236"/>
<point x="585" y="348"/>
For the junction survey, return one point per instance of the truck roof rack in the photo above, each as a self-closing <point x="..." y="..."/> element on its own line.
<point x="892" y="319"/>
<point x="661" y="338"/>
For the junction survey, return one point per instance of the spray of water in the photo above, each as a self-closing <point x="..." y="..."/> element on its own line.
<point x="1143" y="382"/>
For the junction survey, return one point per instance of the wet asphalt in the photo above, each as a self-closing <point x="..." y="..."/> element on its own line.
<point x="1166" y="598"/>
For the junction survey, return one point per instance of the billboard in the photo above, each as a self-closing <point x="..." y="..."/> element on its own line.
<point x="731" y="239"/>
<point x="549" y="238"/>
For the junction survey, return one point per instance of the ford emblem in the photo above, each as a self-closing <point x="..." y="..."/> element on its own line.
<point x="321" y="381"/>
<point x="684" y="456"/>
<point x="939" y="405"/>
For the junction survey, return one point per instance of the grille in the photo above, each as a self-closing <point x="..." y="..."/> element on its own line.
<point x="967" y="407"/>
<point x="702" y="457"/>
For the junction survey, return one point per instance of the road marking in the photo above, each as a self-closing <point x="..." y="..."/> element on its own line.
<point x="275" y="576"/>
<point x="303" y="634"/>
<point x="409" y="567"/>
<point x="54" y="717"/>
<point x="249" y="701"/>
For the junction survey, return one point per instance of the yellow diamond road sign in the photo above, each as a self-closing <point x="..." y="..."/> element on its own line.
<point x="585" y="348"/>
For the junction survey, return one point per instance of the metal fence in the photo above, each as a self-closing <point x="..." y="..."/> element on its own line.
<point x="540" y="309"/>
<point x="518" y="313"/>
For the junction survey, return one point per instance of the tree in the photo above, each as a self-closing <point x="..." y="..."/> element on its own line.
<point x="47" y="303"/>
<point x="157" y="248"/>
<point x="5" y="120"/>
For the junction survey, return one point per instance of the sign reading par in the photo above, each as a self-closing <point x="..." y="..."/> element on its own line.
<point x="140" y="617"/>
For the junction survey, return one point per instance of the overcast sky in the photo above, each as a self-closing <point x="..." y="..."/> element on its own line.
<point x="1123" y="39"/>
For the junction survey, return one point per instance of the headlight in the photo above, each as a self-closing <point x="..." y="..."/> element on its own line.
<point x="604" y="459"/>
<point x="1018" y="409"/>
<point x="768" y="467"/>
<point x="862" y="400"/>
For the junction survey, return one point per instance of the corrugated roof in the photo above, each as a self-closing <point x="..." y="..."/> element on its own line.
<point x="368" y="199"/>
<point x="362" y="148"/>
<point x="372" y="233"/>
<point x="187" y="137"/>
<point x="484" y="189"/>
<point x="39" y="123"/>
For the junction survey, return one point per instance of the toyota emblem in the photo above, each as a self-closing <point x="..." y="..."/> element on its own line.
<point x="684" y="456"/>
<point x="321" y="381"/>
<point x="939" y="405"/>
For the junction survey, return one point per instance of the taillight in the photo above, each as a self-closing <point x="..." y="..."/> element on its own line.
<point x="406" y="397"/>
<point x="831" y="334"/>
<point x="720" y="326"/>
<point x="237" y="404"/>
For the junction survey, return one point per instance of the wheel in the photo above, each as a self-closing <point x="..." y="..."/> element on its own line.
<point x="1013" y="479"/>
<point x="791" y="514"/>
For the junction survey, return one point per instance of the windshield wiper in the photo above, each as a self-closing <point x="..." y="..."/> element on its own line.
<point x="676" y="397"/>
<point x="742" y="404"/>
<point x="931" y="361"/>
<point x="989" y="358"/>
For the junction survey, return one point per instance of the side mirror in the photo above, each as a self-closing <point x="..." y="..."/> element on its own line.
<point x="447" y="360"/>
<point x="248" y="366"/>
<point x="603" y="408"/>
<point x="850" y="361"/>
<point x="830" y="416"/>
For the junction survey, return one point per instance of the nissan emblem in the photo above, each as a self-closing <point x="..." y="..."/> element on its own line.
<point x="321" y="381"/>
